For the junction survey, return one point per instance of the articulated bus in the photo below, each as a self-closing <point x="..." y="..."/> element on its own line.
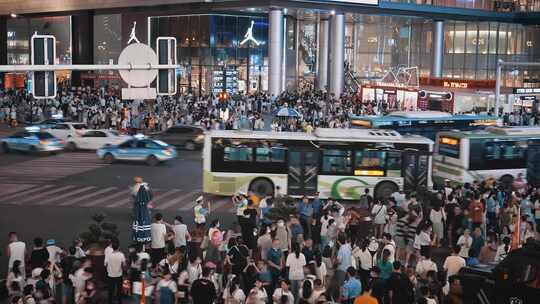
<point x="496" y="152"/>
<point x="338" y="163"/>
<point x="426" y="123"/>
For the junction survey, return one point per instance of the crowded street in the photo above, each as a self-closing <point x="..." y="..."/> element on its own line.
<point x="269" y="152"/>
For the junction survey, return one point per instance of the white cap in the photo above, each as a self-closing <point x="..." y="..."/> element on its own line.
<point x="199" y="199"/>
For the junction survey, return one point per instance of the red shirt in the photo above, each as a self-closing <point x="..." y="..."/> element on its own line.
<point x="476" y="209"/>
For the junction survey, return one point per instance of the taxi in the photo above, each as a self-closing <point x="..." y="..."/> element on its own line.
<point x="140" y="149"/>
<point x="31" y="140"/>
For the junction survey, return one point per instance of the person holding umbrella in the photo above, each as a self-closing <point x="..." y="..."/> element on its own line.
<point x="141" y="214"/>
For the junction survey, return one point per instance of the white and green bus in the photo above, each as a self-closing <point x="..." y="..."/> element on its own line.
<point x="496" y="152"/>
<point x="338" y="163"/>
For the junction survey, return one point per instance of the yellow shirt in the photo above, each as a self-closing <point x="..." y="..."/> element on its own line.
<point x="365" y="299"/>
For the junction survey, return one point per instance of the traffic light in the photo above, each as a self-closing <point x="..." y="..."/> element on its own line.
<point x="166" y="79"/>
<point x="43" y="50"/>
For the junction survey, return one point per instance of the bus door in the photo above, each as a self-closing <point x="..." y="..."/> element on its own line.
<point x="303" y="168"/>
<point x="415" y="169"/>
<point x="533" y="163"/>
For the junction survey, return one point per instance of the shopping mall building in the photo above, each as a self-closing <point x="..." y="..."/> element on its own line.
<point x="440" y="54"/>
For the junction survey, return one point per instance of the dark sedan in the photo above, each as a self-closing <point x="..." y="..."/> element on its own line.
<point x="183" y="136"/>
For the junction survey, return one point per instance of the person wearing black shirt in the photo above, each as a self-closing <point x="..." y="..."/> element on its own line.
<point x="203" y="290"/>
<point x="250" y="223"/>
<point x="39" y="256"/>
<point x="400" y="289"/>
<point x="238" y="254"/>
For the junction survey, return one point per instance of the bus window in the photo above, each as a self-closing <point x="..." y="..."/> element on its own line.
<point x="367" y="159"/>
<point x="449" y="146"/>
<point x="369" y="162"/>
<point x="336" y="161"/>
<point x="270" y="154"/>
<point x="496" y="155"/>
<point x="238" y="154"/>
<point x="393" y="160"/>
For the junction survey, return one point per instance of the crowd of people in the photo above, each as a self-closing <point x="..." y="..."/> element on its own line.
<point x="403" y="249"/>
<point x="103" y="109"/>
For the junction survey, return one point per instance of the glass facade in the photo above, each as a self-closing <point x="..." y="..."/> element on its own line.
<point x="20" y="31"/>
<point x="214" y="52"/>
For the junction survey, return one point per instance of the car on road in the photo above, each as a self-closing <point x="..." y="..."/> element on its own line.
<point x="94" y="139"/>
<point x="29" y="141"/>
<point x="144" y="149"/>
<point x="48" y="123"/>
<point x="65" y="130"/>
<point x="183" y="136"/>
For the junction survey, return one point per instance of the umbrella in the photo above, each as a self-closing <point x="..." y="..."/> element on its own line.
<point x="287" y="112"/>
<point x="141" y="219"/>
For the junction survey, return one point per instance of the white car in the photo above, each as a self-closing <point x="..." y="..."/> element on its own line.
<point x="66" y="130"/>
<point x="95" y="139"/>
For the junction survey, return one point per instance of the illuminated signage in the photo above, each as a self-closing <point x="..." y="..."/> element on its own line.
<point x="526" y="90"/>
<point x="362" y="123"/>
<point x="249" y="35"/>
<point x="449" y="141"/>
<point x="369" y="172"/>
<point x="455" y="84"/>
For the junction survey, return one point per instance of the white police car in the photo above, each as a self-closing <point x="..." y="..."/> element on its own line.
<point x="138" y="148"/>
<point x="31" y="140"/>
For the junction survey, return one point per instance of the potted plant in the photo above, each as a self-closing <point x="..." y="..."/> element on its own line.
<point x="95" y="240"/>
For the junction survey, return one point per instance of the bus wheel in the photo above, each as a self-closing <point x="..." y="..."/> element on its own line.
<point x="385" y="189"/>
<point x="262" y="187"/>
<point x="507" y="180"/>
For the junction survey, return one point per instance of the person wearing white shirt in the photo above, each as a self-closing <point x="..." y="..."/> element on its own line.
<point x="425" y="265"/>
<point x="16" y="251"/>
<point x="281" y="292"/>
<point x="159" y="235"/>
<point x="454" y="262"/>
<point x="296" y="262"/>
<point x="465" y="241"/>
<point x="181" y="233"/>
<point x="379" y="218"/>
<point x="115" y="263"/>
<point x="233" y="293"/>
<point x="390" y="245"/>
<point x="55" y="252"/>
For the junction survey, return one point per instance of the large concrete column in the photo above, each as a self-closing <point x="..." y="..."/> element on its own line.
<point x="337" y="54"/>
<point x="275" y="51"/>
<point x="437" y="49"/>
<point x="82" y="42"/>
<point x="322" y="73"/>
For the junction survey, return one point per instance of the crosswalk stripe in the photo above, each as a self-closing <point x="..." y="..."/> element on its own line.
<point x="8" y="189"/>
<point x="86" y="196"/>
<point x="65" y="195"/>
<point x="30" y="191"/>
<point x="107" y="199"/>
<point x="43" y="194"/>
<point x="128" y="200"/>
<point x="121" y="202"/>
<point x="161" y="197"/>
<point x="181" y="199"/>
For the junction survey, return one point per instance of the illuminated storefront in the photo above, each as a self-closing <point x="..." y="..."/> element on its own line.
<point x="218" y="52"/>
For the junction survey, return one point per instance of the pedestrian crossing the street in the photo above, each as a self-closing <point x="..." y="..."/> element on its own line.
<point x="104" y="197"/>
<point x="46" y="169"/>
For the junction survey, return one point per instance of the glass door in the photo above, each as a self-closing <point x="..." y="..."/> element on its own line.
<point x="415" y="170"/>
<point x="302" y="175"/>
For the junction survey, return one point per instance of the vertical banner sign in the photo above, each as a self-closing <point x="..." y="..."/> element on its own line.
<point x="167" y="79"/>
<point x="43" y="52"/>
